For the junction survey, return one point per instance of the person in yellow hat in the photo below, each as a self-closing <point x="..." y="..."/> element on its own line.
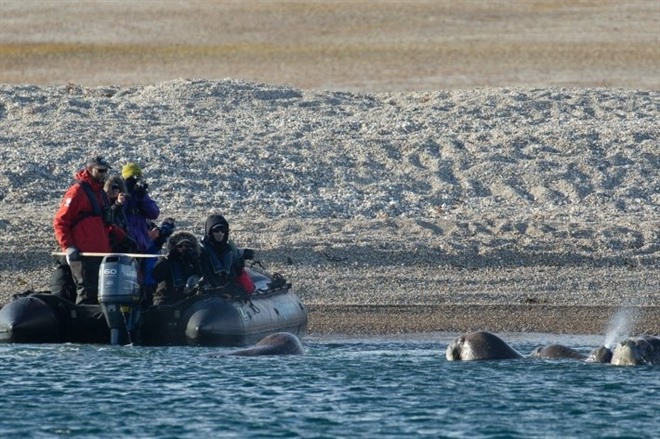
<point x="139" y="209"/>
<point x="131" y="170"/>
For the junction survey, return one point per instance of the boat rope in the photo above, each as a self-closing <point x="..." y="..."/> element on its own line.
<point x="101" y="254"/>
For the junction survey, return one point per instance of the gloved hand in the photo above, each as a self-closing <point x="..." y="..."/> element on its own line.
<point x="140" y="189"/>
<point x="167" y="227"/>
<point x="72" y="255"/>
<point x="139" y="193"/>
<point x="248" y="253"/>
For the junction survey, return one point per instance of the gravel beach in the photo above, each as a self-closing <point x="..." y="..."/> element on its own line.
<point x="525" y="206"/>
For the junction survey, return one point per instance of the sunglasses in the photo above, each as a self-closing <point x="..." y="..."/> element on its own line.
<point x="114" y="187"/>
<point x="219" y="230"/>
<point x="101" y="170"/>
<point x="184" y="245"/>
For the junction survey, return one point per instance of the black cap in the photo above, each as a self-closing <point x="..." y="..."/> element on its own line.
<point x="97" y="161"/>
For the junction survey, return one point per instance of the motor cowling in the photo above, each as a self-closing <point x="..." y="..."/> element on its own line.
<point x="120" y="296"/>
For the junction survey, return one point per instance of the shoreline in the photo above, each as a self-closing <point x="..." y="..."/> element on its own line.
<point x="365" y="285"/>
<point x="401" y="319"/>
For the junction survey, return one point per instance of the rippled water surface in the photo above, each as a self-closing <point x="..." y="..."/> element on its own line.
<point x="341" y="387"/>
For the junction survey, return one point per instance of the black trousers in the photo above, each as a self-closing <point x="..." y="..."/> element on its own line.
<point x="86" y="277"/>
<point x="61" y="281"/>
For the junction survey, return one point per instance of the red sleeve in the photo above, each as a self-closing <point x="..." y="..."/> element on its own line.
<point x="70" y="208"/>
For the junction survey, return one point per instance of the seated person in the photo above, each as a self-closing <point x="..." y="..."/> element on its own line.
<point x="223" y="264"/>
<point x="172" y="271"/>
<point x="158" y="236"/>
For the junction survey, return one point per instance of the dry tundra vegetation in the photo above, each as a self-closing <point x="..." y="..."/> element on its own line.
<point x="496" y="264"/>
<point x="337" y="45"/>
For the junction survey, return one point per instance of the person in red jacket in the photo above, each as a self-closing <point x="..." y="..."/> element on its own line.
<point x="84" y="223"/>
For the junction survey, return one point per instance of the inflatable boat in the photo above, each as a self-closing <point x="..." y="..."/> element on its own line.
<point x="206" y="317"/>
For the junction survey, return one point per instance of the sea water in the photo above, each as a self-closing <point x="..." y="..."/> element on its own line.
<point x="340" y="388"/>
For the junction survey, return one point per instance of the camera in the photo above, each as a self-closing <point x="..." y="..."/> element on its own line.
<point x="165" y="230"/>
<point x="167" y="227"/>
<point x="136" y="187"/>
<point x="140" y="189"/>
<point x="141" y="185"/>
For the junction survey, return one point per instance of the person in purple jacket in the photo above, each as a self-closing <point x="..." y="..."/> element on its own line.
<point x="139" y="209"/>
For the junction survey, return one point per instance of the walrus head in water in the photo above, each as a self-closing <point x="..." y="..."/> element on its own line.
<point x="637" y="350"/>
<point x="279" y="343"/>
<point x="480" y="345"/>
<point x="601" y="354"/>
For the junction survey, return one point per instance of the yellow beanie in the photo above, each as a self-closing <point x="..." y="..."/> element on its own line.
<point x="131" y="170"/>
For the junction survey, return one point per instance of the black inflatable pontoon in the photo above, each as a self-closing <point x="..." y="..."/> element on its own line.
<point x="206" y="318"/>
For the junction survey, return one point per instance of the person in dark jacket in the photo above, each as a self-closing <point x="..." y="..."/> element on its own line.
<point x="173" y="271"/>
<point x="116" y="190"/>
<point x="83" y="224"/>
<point x="223" y="264"/>
<point x="159" y="236"/>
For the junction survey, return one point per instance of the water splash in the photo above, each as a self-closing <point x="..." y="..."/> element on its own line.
<point x="621" y="325"/>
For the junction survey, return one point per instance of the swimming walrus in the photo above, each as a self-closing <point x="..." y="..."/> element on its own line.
<point x="601" y="354"/>
<point x="480" y="345"/>
<point x="556" y="351"/>
<point x="279" y="343"/>
<point x="637" y="350"/>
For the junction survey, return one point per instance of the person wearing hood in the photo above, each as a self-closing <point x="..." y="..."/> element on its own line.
<point x="223" y="264"/>
<point x="116" y="190"/>
<point x="83" y="223"/>
<point x="173" y="271"/>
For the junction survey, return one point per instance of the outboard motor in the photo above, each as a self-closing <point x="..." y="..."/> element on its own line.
<point x="120" y="296"/>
